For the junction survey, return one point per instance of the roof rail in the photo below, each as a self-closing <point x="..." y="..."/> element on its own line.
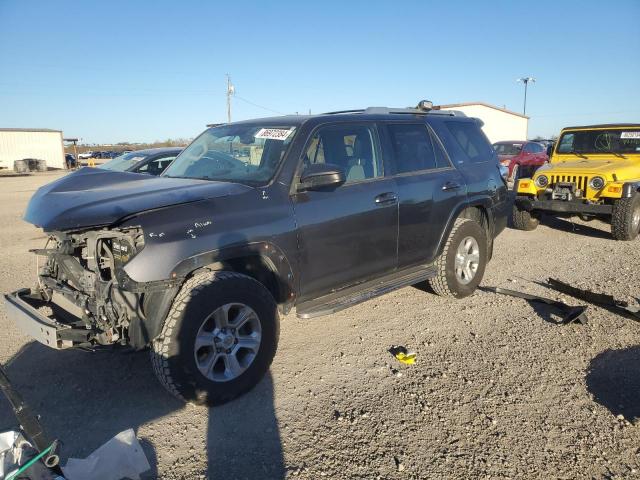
<point x="359" y="110"/>
<point x="401" y="111"/>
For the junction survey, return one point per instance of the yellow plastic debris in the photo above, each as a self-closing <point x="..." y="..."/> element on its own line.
<point x="406" y="358"/>
<point x="403" y="355"/>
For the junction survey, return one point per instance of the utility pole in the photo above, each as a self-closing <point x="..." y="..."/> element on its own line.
<point x="230" y="91"/>
<point x="526" y="81"/>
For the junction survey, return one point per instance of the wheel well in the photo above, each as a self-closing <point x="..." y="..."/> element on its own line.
<point x="480" y="215"/>
<point x="259" y="268"/>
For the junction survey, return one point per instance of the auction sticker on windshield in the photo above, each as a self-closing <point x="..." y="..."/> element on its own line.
<point x="629" y="135"/>
<point x="274" y="133"/>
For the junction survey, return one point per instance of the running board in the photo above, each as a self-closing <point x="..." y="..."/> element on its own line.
<point x="348" y="297"/>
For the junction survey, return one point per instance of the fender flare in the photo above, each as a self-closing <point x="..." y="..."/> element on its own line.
<point x="158" y="301"/>
<point x="485" y="203"/>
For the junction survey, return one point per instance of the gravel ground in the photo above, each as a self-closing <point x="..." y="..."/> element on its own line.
<point x="499" y="389"/>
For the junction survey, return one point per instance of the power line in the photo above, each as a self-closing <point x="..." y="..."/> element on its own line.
<point x="259" y="106"/>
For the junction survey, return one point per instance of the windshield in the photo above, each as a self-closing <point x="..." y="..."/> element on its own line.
<point x="240" y="153"/>
<point x="617" y="141"/>
<point x="507" y="148"/>
<point x="123" y="162"/>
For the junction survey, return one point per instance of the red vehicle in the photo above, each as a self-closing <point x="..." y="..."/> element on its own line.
<point x="521" y="155"/>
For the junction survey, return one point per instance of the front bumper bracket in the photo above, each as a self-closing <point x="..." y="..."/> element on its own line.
<point x="30" y="321"/>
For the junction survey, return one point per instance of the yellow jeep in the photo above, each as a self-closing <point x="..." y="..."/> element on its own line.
<point x="594" y="172"/>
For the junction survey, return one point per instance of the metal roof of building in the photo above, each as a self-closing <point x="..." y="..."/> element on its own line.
<point x="29" y="130"/>
<point x="488" y="105"/>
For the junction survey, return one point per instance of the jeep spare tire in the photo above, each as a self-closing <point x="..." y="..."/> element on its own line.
<point x="463" y="260"/>
<point x="219" y="338"/>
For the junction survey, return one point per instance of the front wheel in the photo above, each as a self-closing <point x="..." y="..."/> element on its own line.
<point x="218" y="339"/>
<point x="463" y="260"/>
<point x="625" y="218"/>
<point x="523" y="219"/>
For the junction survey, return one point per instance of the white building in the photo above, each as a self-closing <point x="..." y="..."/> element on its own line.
<point x="499" y="123"/>
<point x="35" y="143"/>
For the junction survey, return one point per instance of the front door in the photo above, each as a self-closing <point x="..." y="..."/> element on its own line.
<point x="348" y="234"/>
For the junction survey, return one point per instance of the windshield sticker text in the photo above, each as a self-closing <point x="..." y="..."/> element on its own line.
<point x="273" y="133"/>
<point x="630" y="135"/>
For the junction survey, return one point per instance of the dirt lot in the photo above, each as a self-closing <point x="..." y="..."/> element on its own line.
<point x="499" y="390"/>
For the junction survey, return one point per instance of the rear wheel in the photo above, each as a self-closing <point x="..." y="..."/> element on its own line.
<point x="218" y="340"/>
<point x="523" y="219"/>
<point x="463" y="260"/>
<point x="625" y="219"/>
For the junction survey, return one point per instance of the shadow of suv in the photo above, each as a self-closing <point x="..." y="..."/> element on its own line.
<point x="254" y="218"/>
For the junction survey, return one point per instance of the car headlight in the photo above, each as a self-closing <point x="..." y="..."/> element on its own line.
<point x="596" y="183"/>
<point x="542" y="181"/>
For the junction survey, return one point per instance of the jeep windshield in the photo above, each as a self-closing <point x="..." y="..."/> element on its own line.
<point x="241" y="153"/>
<point x="619" y="141"/>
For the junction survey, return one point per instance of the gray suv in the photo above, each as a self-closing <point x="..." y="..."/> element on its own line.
<point x="254" y="219"/>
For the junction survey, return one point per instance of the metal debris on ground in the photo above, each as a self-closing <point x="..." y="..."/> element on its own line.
<point x="570" y="314"/>
<point x="30" y="449"/>
<point x="604" y="300"/>
<point x="403" y="355"/>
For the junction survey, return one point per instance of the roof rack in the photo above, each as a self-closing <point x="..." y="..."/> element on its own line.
<point x="399" y="111"/>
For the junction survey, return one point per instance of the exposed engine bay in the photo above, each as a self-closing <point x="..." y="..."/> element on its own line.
<point x="82" y="275"/>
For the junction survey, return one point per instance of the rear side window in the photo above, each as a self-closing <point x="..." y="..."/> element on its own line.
<point x="471" y="140"/>
<point x="412" y="147"/>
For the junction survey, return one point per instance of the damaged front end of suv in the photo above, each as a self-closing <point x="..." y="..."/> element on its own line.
<point x="81" y="277"/>
<point x="83" y="295"/>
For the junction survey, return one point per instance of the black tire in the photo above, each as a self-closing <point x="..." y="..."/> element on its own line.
<point x="522" y="219"/>
<point x="625" y="218"/>
<point x="172" y="353"/>
<point x="446" y="282"/>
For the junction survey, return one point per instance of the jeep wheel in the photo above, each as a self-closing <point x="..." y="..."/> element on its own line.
<point x="218" y="340"/>
<point x="462" y="262"/>
<point x="522" y="219"/>
<point x="625" y="219"/>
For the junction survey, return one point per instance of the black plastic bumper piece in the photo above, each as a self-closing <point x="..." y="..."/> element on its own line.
<point x="559" y="206"/>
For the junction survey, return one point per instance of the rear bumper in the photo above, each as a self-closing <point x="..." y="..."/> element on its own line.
<point x="21" y="307"/>
<point x="559" y="206"/>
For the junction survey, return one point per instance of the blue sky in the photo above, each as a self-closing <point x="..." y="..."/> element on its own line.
<point x="109" y="71"/>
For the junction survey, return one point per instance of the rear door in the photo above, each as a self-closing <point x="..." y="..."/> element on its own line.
<point x="348" y="234"/>
<point x="428" y="189"/>
<point x="474" y="158"/>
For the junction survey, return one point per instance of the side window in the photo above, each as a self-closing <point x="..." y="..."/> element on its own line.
<point x="471" y="140"/>
<point x="349" y="146"/>
<point x="442" y="161"/>
<point x="566" y="143"/>
<point x="530" y="148"/>
<point x="412" y="147"/>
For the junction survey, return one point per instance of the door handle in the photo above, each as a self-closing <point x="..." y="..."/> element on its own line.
<point x="386" y="198"/>
<point x="450" y="186"/>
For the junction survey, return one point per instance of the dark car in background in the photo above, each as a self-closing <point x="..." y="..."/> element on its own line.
<point x="152" y="161"/>
<point x="521" y="157"/>
<point x="70" y="161"/>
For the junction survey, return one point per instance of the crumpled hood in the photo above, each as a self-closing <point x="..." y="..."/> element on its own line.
<point x="92" y="196"/>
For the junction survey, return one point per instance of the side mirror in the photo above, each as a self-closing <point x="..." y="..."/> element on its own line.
<point x="321" y="175"/>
